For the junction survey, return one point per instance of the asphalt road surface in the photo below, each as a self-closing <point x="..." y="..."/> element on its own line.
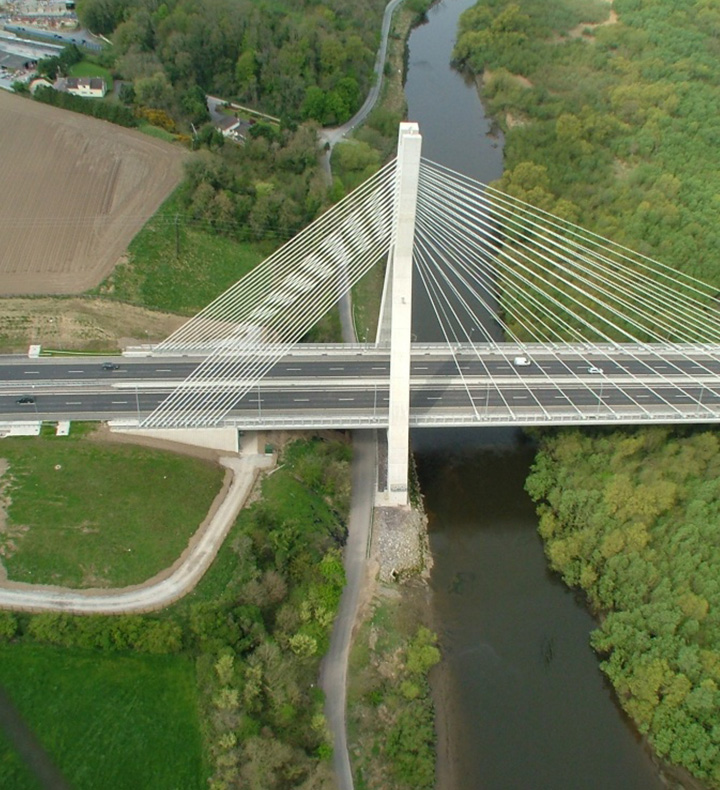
<point x="340" y="386"/>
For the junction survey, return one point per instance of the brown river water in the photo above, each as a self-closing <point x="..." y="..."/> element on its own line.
<point x="521" y="701"/>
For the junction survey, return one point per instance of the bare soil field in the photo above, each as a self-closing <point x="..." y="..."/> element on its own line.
<point x="80" y="324"/>
<point x="75" y="192"/>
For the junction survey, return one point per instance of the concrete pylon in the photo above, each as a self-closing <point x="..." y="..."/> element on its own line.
<point x="408" y="169"/>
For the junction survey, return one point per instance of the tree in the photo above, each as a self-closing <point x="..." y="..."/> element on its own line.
<point x="155" y="91"/>
<point x="8" y="626"/>
<point x="126" y="93"/>
<point x="193" y="104"/>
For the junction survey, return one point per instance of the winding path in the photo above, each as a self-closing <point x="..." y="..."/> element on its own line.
<point x="332" y="136"/>
<point x="146" y="598"/>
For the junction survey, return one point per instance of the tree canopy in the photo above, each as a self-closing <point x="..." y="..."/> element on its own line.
<point x="294" y="60"/>
<point x="632" y="518"/>
<point x="620" y="117"/>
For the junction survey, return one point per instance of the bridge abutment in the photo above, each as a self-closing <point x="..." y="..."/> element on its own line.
<point x="408" y="170"/>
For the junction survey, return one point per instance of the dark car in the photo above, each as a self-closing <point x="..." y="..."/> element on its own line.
<point x="25" y="399"/>
<point x="110" y="366"/>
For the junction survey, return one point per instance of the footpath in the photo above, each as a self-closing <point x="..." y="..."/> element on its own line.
<point x="169" y="586"/>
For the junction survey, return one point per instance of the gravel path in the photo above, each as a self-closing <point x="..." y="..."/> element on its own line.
<point x="333" y="673"/>
<point x="155" y="594"/>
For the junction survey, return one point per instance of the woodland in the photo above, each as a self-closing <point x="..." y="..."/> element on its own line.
<point x="296" y="60"/>
<point x="610" y="126"/>
<point x="609" y="114"/>
<point x="632" y="518"/>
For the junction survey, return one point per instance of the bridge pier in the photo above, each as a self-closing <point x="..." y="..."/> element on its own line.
<point x="408" y="170"/>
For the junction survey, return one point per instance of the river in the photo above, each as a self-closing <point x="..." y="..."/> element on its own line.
<point x="521" y="701"/>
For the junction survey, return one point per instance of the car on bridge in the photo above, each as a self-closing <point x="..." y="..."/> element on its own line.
<point x="110" y="366"/>
<point x="593" y="369"/>
<point x="521" y="362"/>
<point x="25" y="399"/>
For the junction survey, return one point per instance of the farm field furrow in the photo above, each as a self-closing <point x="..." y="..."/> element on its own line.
<point x="76" y="191"/>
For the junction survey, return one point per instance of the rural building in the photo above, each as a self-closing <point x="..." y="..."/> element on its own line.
<point x="232" y="128"/>
<point x="89" y="87"/>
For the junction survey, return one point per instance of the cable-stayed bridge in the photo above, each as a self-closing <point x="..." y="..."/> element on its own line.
<point x="542" y="323"/>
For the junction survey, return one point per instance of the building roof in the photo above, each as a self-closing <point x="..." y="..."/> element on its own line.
<point x="93" y="83"/>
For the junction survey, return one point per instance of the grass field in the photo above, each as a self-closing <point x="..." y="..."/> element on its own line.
<point x="108" y="721"/>
<point x="177" y="266"/>
<point x="87" y="69"/>
<point x="83" y="513"/>
<point x="367" y="298"/>
<point x="289" y="500"/>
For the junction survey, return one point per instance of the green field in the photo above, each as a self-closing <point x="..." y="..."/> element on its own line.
<point x="179" y="265"/>
<point x="107" y="721"/>
<point x="84" y="513"/>
<point x="87" y="69"/>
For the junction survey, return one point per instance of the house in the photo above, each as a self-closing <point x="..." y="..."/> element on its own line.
<point x="89" y="87"/>
<point x="232" y="128"/>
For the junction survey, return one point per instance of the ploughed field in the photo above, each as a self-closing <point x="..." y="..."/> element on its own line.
<point x="75" y="190"/>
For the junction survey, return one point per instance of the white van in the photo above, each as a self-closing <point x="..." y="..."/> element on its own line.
<point x="521" y="362"/>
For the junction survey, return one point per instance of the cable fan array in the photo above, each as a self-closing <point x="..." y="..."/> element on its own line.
<point x="247" y="329"/>
<point x="552" y="280"/>
<point x="500" y="275"/>
<point x="498" y="271"/>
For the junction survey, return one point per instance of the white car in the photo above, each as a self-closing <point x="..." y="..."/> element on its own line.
<point x="521" y="362"/>
<point x="593" y="369"/>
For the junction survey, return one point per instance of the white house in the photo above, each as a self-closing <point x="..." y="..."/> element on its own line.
<point x="89" y="87"/>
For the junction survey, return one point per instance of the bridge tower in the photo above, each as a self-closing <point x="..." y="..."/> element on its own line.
<point x="408" y="168"/>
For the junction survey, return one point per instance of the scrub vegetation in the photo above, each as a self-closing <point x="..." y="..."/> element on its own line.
<point x="632" y="518"/>
<point x="251" y="637"/>
<point x="82" y="513"/>
<point x="389" y="665"/>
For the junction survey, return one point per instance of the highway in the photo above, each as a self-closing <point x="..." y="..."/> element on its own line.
<point x="429" y="361"/>
<point x="337" y="387"/>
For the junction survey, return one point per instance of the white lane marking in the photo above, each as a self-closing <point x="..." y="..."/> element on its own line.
<point x="163" y="370"/>
<point x="301" y="400"/>
<point x="293" y="370"/>
<point x="416" y="367"/>
<point x="339" y="399"/>
<point x="31" y="372"/>
<point x="520" y="397"/>
<point x="76" y="371"/>
<point x="384" y="367"/>
<point x="337" y="368"/>
<point x="118" y="402"/>
<point x="431" y="397"/>
<point x="73" y="403"/>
